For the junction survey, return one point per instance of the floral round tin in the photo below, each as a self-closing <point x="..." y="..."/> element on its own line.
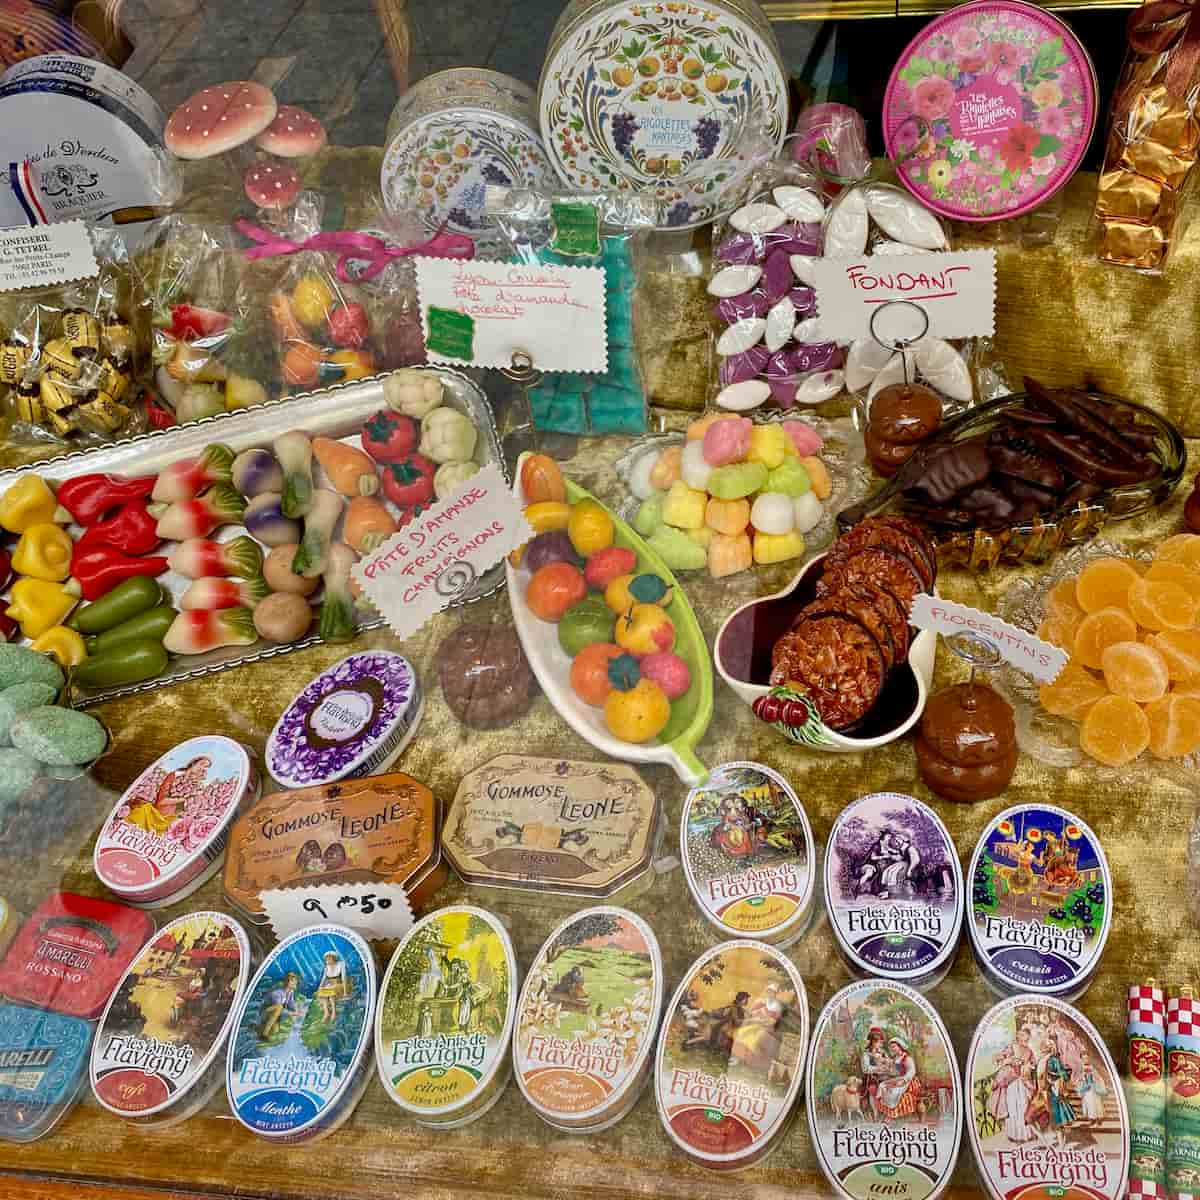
<point x="730" y="1061"/>
<point x="167" y="833"/>
<point x="1047" y="1111"/>
<point x="894" y="889"/>
<point x="157" y="1054"/>
<point x="748" y="853"/>
<point x="1041" y="902"/>
<point x="669" y="98"/>
<point x="990" y="110"/>
<point x="296" y="1064"/>
<point x="586" y="1019"/>
<point x="450" y="136"/>
<point x="885" y="1099"/>
<point x="353" y="719"/>
<point x="43" y="1061"/>
<point x="445" y="1017"/>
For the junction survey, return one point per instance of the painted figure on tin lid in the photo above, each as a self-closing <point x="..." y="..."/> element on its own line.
<point x="335" y="986"/>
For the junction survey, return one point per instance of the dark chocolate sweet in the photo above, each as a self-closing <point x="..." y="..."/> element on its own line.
<point x="952" y="469"/>
<point x="967" y="745"/>
<point x="485" y="677"/>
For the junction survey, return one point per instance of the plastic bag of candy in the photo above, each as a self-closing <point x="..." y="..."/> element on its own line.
<point x="604" y="229"/>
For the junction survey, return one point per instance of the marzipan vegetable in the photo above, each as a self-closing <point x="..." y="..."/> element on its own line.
<point x="152" y="624"/>
<point x="133" y="661"/>
<point x="124" y="602"/>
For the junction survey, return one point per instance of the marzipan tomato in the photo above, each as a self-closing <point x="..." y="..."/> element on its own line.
<point x="553" y="590"/>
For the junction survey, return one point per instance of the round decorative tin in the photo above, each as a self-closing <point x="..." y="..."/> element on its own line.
<point x="885" y="1099"/>
<point x="158" y="1047"/>
<point x="664" y="98"/>
<point x="586" y="1019"/>
<point x="450" y="136"/>
<point x="990" y="110"/>
<point x="296" y="1063"/>
<point x="730" y="1061"/>
<point x="1041" y="902"/>
<point x="43" y="1061"/>
<point x="748" y="852"/>
<point x="167" y="833"/>
<point x="1048" y="1114"/>
<point x="445" y="1017"/>
<point x="353" y="719"/>
<point x="894" y="889"/>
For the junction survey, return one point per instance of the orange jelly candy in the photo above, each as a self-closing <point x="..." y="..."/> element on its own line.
<point x="1161" y="605"/>
<point x="1099" y="630"/>
<point x="1180" y="649"/>
<point x="1182" y="548"/>
<point x="1135" y="670"/>
<point x="1059" y="630"/>
<point x="1105" y="583"/>
<point x="1165" y="571"/>
<point x="1115" y="731"/>
<point x="1174" y="726"/>
<point x="1072" y="693"/>
<point x="1186" y="689"/>
<point x="1061" y="602"/>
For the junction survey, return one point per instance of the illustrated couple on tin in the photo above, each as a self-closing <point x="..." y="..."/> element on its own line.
<point x="889" y="1072"/>
<point x="282" y="1000"/>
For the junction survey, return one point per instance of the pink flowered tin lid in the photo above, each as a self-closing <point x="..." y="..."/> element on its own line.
<point x="989" y="110"/>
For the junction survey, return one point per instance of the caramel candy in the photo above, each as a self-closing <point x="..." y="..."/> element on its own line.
<point x="28" y="406"/>
<point x="118" y="340"/>
<point x="57" y="356"/>
<point x="111" y="381"/>
<point x="1159" y="117"/>
<point x="59" y="423"/>
<point x="967" y="746"/>
<point x="104" y="413"/>
<point x="57" y="394"/>
<point x="14" y="357"/>
<point x="1130" y="197"/>
<point x="906" y="413"/>
<point x="82" y="330"/>
<point x="1148" y="158"/>
<point x="1129" y="244"/>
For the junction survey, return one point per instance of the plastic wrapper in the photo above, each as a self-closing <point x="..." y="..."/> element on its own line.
<point x="830" y="139"/>
<point x="570" y="402"/>
<point x="1153" y="141"/>
<point x="69" y="355"/>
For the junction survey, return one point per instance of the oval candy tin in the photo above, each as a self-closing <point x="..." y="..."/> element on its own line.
<point x="353" y="719"/>
<point x="43" y="1058"/>
<point x="296" y="1062"/>
<point x="730" y="1061"/>
<point x="586" y="1019"/>
<point x="167" y="833"/>
<point x="884" y="1095"/>
<point x="1048" y="1114"/>
<point x="1041" y="904"/>
<point x="748" y="853"/>
<point x="894" y="889"/>
<point x="445" y="1017"/>
<point x="159" y="1043"/>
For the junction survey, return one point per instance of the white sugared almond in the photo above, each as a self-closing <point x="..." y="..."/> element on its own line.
<point x="742" y="397"/>
<point x="800" y="204"/>
<point x="757" y="218"/>
<point x="741" y="335"/>
<point x="733" y="281"/>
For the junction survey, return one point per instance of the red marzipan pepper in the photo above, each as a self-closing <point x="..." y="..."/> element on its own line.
<point x="131" y="529"/>
<point x="100" y="568"/>
<point x="88" y="497"/>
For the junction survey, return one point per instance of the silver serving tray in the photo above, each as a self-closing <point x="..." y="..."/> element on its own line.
<point x="336" y="412"/>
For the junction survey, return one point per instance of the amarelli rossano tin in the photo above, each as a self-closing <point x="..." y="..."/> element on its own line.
<point x="297" y="1062"/>
<point x="1041" y="902"/>
<point x="158" y="1055"/>
<point x="43" y="1061"/>
<point x="1047" y="1113"/>
<point x="167" y="833"/>
<point x="444" y="1021"/>
<point x="747" y="850"/>
<point x="894" y="890"/>
<point x="586" y="1020"/>
<point x="731" y="1054"/>
<point x="884" y="1094"/>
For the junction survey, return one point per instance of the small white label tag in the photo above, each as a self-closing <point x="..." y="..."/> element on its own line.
<point x="956" y="290"/>
<point x="554" y="314"/>
<point x="45" y="255"/>
<point x="441" y="552"/>
<point x="376" y="910"/>
<point x="1017" y="647"/>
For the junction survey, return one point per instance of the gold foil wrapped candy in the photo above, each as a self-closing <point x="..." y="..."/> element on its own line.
<point x="82" y="330"/>
<point x="58" y="357"/>
<point x="14" y="356"/>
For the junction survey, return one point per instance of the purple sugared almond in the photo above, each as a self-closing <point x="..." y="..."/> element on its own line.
<point x="733" y="309"/>
<point x="736" y="368"/>
<point x="777" y="278"/>
<point x="742" y="249"/>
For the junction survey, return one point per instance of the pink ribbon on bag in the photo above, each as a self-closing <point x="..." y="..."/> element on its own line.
<point x="363" y="248"/>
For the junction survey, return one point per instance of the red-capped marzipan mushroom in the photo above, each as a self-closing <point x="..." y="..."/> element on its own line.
<point x="218" y="118"/>
<point x="271" y="184"/>
<point x="295" y="133"/>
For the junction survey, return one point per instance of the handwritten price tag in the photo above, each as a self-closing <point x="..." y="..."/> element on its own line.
<point x="956" y="290"/>
<point x="376" y="910"/>
<point x="553" y="313"/>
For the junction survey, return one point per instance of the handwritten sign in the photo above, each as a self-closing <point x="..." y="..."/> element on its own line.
<point x="376" y="910"/>
<point x="555" y="314"/>
<point x="1018" y="647"/>
<point x="44" y="255"/>
<point x="441" y="552"/>
<point x="957" y="291"/>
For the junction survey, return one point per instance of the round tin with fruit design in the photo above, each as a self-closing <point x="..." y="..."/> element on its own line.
<point x="990" y="110"/>
<point x="450" y="136"/>
<point x="894" y="890"/>
<point x="730" y="1061"/>
<point x="587" y="1018"/>
<point x="1047" y="1113"/>
<point x="157" y="1057"/>
<point x="675" y="99"/>
<point x="1041" y="902"/>
<point x="885" y="1099"/>
<point x="167" y="833"/>
<point x="445" y="1017"/>
<point x="748" y="853"/>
